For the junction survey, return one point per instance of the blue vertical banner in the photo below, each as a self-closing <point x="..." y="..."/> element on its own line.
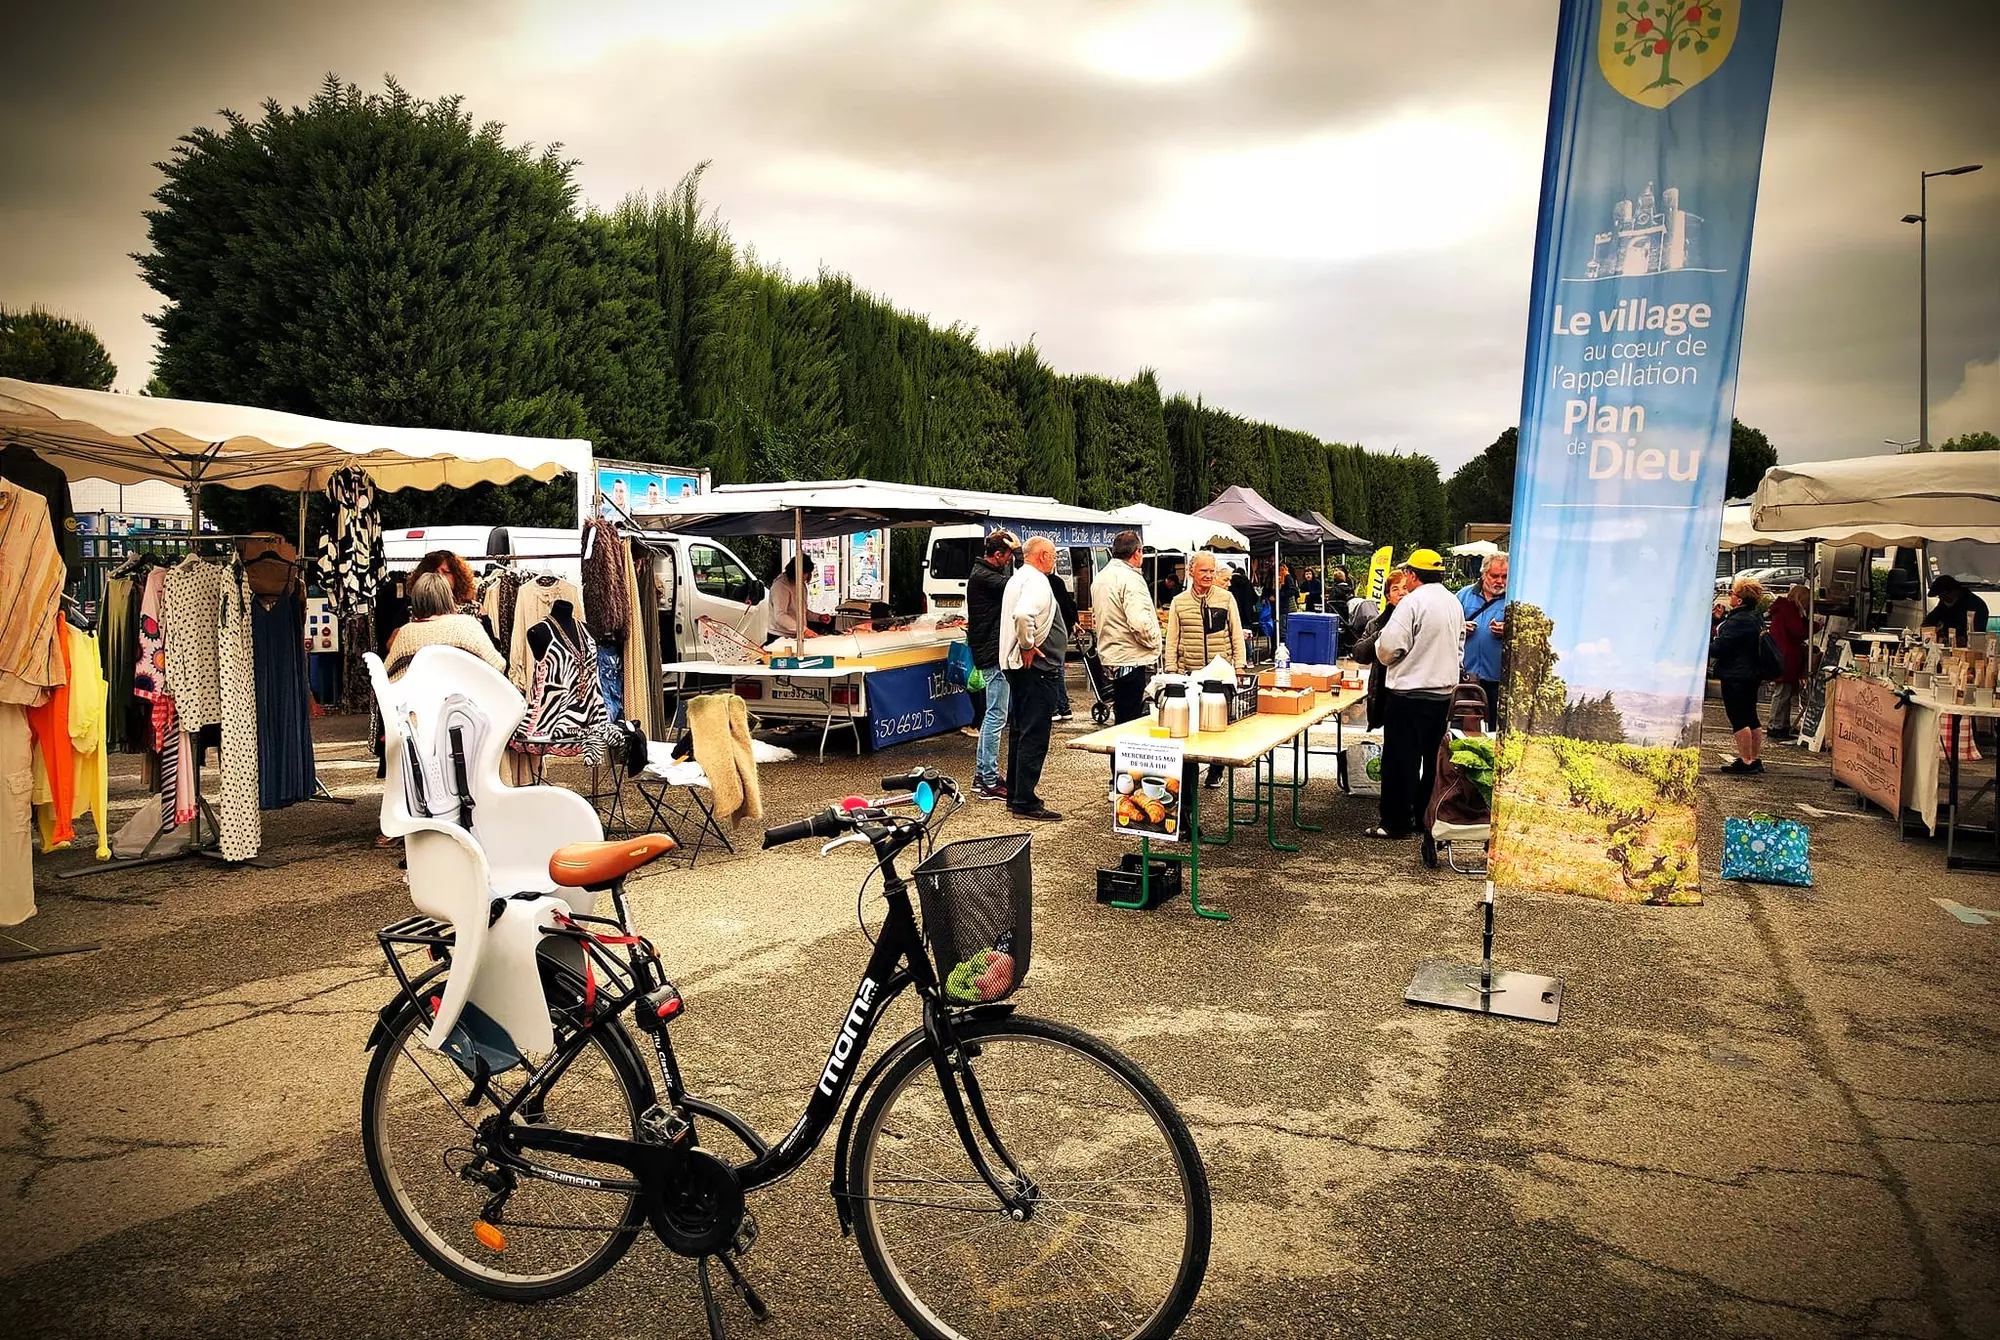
<point x="1642" y="252"/>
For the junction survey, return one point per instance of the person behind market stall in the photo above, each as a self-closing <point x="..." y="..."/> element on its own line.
<point x="1422" y="646"/>
<point x="1371" y="626"/>
<point x="1128" y="634"/>
<point x="985" y="590"/>
<point x="1734" y="651"/>
<point x="1957" y="610"/>
<point x="1484" y="603"/>
<point x="782" y="602"/>
<point x="1168" y="586"/>
<point x="1033" y="647"/>
<point x="1343" y="590"/>
<point x="1313" y="589"/>
<point x="1244" y="591"/>
<point x="1202" y="625"/>
<point x="1066" y="611"/>
<point x="1790" y="618"/>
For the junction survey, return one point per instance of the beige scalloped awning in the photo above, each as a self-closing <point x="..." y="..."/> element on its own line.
<point x="127" y="439"/>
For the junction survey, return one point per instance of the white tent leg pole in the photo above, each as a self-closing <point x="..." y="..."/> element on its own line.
<point x="799" y="574"/>
<point x="302" y="527"/>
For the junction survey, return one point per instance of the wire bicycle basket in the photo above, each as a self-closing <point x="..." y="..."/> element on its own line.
<point x="977" y="896"/>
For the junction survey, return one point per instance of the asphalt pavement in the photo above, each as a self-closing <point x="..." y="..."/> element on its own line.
<point x="1774" y="1114"/>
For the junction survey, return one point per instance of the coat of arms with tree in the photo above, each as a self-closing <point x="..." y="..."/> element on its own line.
<point x="1652" y="30"/>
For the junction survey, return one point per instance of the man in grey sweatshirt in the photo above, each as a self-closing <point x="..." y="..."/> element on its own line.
<point x="1423" y="646"/>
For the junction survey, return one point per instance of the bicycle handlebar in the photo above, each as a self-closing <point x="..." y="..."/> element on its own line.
<point x="824" y="824"/>
<point x="901" y="781"/>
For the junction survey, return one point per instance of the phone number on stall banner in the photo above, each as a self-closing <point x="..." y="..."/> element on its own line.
<point x="888" y="730"/>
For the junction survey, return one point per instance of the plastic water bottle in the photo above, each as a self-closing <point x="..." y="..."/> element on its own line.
<point x="1284" y="676"/>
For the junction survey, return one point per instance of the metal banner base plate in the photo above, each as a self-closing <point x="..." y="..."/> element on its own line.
<point x="1513" y="995"/>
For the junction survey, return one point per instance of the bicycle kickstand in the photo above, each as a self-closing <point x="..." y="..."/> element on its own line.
<point x="709" y="1302"/>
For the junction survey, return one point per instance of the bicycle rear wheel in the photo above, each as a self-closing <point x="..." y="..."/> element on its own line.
<point x="1118" y="1238"/>
<point x="417" y="1136"/>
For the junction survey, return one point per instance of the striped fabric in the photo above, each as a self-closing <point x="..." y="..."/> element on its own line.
<point x="31" y="583"/>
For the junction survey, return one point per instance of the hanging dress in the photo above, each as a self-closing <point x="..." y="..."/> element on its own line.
<point x="565" y="716"/>
<point x="285" y="772"/>
<point x="236" y="672"/>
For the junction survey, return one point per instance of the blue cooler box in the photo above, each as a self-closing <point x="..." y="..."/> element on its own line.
<point x="1313" y="639"/>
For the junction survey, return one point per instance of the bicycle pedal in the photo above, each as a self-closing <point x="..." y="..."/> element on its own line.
<point x="746" y="1235"/>
<point x="665" y="1126"/>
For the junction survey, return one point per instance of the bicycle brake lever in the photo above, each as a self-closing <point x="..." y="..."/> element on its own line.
<point x="842" y="841"/>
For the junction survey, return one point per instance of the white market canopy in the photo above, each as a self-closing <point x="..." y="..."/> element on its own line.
<point x="819" y="509"/>
<point x="1881" y="501"/>
<point x="1477" y="549"/>
<point x="1179" y="533"/>
<point x="127" y="439"/>
<point x="809" y="509"/>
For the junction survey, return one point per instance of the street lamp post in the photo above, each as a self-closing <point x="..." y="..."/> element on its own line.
<point x="1921" y="219"/>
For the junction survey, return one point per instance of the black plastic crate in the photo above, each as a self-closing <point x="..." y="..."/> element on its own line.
<point x="977" y="897"/>
<point x="1122" y="884"/>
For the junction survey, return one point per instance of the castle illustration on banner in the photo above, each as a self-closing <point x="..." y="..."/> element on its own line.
<point x="1648" y="236"/>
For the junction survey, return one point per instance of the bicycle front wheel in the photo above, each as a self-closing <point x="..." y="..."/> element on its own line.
<point x="1116" y="1238"/>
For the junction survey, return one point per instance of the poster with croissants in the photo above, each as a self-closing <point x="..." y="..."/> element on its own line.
<point x="1146" y="789"/>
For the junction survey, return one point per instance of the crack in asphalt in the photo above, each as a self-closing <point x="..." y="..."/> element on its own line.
<point x="40" y="1132"/>
<point x="1936" y="1293"/>
<point x="1713" y="1290"/>
<point x="1518" y="1160"/>
<point x="256" y="1010"/>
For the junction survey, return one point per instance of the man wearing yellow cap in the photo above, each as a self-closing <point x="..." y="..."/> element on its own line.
<point x="1422" y="646"/>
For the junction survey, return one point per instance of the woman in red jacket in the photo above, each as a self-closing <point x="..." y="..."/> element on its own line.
<point x="1788" y="630"/>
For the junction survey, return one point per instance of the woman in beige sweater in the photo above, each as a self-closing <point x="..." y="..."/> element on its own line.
<point x="436" y="622"/>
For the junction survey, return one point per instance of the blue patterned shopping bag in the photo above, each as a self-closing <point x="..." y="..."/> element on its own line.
<point x="1766" y="850"/>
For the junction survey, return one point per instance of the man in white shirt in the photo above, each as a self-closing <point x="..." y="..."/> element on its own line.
<point x="1422" y="645"/>
<point x="1033" y="645"/>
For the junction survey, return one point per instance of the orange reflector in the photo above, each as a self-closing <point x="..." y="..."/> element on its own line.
<point x="489" y="1235"/>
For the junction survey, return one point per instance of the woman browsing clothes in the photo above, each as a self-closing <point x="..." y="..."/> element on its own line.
<point x="435" y="621"/>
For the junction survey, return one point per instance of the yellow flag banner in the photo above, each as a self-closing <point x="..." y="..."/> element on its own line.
<point x="1378" y="574"/>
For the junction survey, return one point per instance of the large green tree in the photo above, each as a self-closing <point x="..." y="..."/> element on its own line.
<point x="39" y="346"/>
<point x="377" y="258"/>
<point x="1750" y="455"/>
<point x="1482" y="490"/>
<point x="1972" y="442"/>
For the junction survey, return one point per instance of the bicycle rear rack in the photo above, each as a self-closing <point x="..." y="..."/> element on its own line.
<point x="435" y="937"/>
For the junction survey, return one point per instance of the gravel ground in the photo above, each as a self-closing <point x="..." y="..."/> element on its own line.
<point x="1771" y="1115"/>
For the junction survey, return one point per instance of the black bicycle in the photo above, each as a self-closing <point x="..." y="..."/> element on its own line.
<point x="1005" y="1175"/>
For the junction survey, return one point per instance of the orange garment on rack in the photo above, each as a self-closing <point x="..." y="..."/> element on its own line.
<point x="87" y="707"/>
<point x="49" y="721"/>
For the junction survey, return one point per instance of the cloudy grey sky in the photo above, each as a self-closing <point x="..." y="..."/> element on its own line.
<point x="1317" y="212"/>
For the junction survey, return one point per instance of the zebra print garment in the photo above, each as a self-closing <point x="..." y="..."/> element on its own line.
<point x="565" y="715"/>
<point x="350" y="563"/>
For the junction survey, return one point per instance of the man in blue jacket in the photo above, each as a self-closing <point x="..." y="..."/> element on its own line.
<point x="1485" y="605"/>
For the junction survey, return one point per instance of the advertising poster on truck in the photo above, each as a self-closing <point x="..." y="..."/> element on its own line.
<point x="626" y="486"/>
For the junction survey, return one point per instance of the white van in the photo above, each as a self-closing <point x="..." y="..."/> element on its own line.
<point x="954" y="549"/>
<point x="696" y="576"/>
<point x="549" y="549"/>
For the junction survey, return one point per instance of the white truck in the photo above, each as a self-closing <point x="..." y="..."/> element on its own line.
<point x="696" y="577"/>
